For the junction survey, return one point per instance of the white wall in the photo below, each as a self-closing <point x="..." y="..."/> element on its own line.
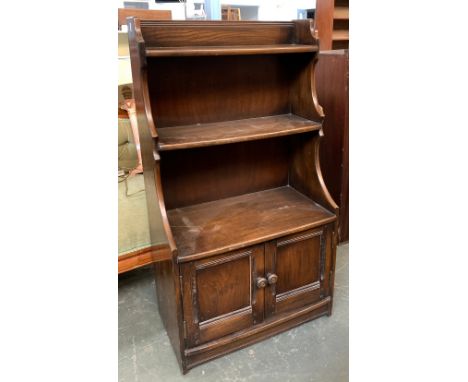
<point x="276" y="10"/>
<point x="178" y="9"/>
<point x="269" y="10"/>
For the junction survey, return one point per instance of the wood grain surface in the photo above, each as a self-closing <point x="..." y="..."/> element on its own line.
<point x="228" y="224"/>
<point x="232" y="154"/>
<point x="229" y="51"/>
<point x="205" y="174"/>
<point x="219" y="133"/>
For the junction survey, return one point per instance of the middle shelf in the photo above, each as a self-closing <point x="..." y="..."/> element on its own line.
<point x="228" y="224"/>
<point x="218" y="133"/>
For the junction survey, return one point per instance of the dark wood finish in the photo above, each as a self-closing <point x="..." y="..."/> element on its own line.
<point x="221" y="295"/>
<point x="247" y="167"/>
<point x="302" y="274"/>
<point x="166" y="272"/>
<point x="142" y="257"/>
<point x="332" y="22"/>
<point x="332" y="87"/>
<point x="233" y="88"/>
<point x="146" y="14"/>
<point x="210" y="134"/>
<point x="223" y="34"/>
<point x="305" y="173"/>
<point x="303" y="96"/>
<point x="200" y="230"/>
<point x="230" y="137"/>
<point x="231" y="51"/>
<point x="170" y="304"/>
<point x="341" y="25"/>
<point x="269" y="327"/>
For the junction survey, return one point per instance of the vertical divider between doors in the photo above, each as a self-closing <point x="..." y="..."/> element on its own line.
<point x="270" y="267"/>
<point x="253" y="287"/>
<point x="258" y="306"/>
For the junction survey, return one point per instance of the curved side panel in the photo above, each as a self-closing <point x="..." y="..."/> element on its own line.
<point x="148" y="134"/>
<point x="166" y="272"/>
<point x="313" y="88"/>
<point x="162" y="205"/>
<point x="147" y="104"/>
<point x="305" y="173"/>
<point x="327" y="198"/>
<point x="304" y="101"/>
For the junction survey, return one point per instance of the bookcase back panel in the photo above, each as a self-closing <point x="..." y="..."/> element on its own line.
<point x="189" y="90"/>
<point x="199" y="175"/>
<point x="215" y="34"/>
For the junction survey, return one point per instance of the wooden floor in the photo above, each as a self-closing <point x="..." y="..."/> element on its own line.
<point x="232" y="223"/>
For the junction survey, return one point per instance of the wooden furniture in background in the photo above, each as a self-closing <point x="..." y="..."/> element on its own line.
<point x="332" y="89"/>
<point x="234" y="161"/>
<point x="143" y="257"/>
<point x="332" y="23"/>
<point x="230" y="14"/>
<point x="147" y="14"/>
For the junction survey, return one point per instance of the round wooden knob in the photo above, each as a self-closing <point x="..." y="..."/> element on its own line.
<point x="272" y="278"/>
<point x="261" y="282"/>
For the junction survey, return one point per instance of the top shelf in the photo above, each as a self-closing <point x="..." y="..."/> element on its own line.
<point x="229" y="50"/>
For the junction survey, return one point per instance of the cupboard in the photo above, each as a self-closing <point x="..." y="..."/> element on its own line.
<point x="230" y="127"/>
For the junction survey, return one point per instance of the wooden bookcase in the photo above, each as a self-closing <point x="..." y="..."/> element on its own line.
<point x="230" y="127"/>
<point x="332" y="23"/>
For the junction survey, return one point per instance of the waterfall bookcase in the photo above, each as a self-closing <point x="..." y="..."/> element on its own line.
<point x="230" y="127"/>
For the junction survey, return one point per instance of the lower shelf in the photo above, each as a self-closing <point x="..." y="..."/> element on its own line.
<point x="224" y="225"/>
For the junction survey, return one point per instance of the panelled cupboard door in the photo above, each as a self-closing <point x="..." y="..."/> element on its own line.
<point x="296" y="270"/>
<point x="223" y="294"/>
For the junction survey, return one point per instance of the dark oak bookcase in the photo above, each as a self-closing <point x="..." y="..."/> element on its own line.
<point x="230" y="127"/>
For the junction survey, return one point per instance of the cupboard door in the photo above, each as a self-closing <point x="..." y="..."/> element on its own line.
<point x="296" y="268"/>
<point x="221" y="295"/>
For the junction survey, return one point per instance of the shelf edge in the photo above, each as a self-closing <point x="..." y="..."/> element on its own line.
<point x="233" y="247"/>
<point x="229" y="51"/>
<point x="218" y="142"/>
